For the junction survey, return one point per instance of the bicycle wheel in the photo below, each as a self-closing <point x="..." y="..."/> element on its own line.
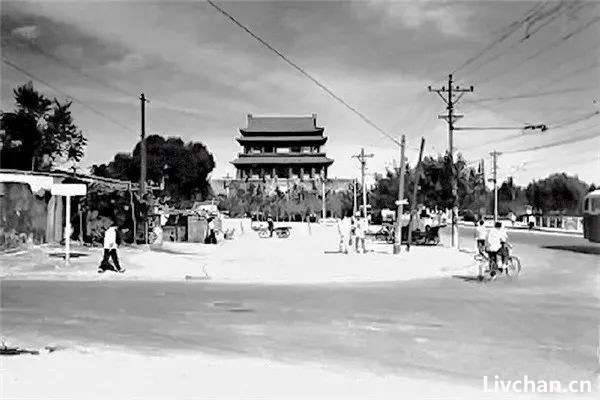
<point x="513" y="266"/>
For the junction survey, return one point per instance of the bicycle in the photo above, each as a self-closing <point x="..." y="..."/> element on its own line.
<point x="512" y="267"/>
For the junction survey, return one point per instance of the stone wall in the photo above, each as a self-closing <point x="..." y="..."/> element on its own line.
<point x="22" y="212"/>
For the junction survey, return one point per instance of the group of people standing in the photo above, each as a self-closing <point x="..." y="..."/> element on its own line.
<point x="352" y="231"/>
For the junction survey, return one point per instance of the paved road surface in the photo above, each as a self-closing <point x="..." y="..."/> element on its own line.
<point x="544" y="325"/>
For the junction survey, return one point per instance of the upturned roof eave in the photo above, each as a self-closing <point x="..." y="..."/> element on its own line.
<point x="282" y="132"/>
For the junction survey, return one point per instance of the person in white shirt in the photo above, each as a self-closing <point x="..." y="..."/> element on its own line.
<point x="480" y="236"/>
<point x="111" y="244"/>
<point x="360" y="231"/>
<point x="345" y="233"/>
<point x="494" y="240"/>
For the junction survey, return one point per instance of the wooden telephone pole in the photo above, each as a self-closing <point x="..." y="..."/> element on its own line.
<point x="400" y="212"/>
<point x="413" y="200"/>
<point x="495" y="155"/>
<point x="362" y="157"/>
<point x="143" y="166"/>
<point x="451" y="95"/>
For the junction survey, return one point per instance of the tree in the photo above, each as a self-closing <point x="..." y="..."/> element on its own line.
<point x="39" y="133"/>
<point x="558" y="193"/>
<point x="184" y="168"/>
<point x="435" y="184"/>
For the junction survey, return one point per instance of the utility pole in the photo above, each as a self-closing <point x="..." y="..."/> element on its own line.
<point x="451" y="95"/>
<point x="324" y="212"/>
<point x="495" y="155"/>
<point x="354" y="203"/>
<point x="362" y="157"/>
<point x="398" y="235"/>
<point x="143" y="102"/>
<point x="413" y="200"/>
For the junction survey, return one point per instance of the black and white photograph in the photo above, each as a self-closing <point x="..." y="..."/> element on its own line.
<point x="299" y="199"/>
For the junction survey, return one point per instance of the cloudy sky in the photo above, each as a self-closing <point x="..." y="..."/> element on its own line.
<point x="203" y="75"/>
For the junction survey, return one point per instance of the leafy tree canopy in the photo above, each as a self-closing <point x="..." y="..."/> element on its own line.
<point x="182" y="168"/>
<point x="39" y="133"/>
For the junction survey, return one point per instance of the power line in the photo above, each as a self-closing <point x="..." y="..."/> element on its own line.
<point x="81" y="72"/>
<point x="80" y="102"/>
<point x="575" y="121"/>
<point x="531" y="95"/>
<point x="553" y="13"/>
<point x="106" y="83"/>
<point x="543" y="50"/>
<point x="509" y="30"/>
<point x="552" y="127"/>
<point x="557" y="66"/>
<point x="528" y="36"/>
<point x="302" y="71"/>
<point x="558" y="143"/>
<point x="554" y="81"/>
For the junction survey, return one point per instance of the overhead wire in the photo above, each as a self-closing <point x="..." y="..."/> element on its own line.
<point x="555" y="15"/>
<point x="541" y="51"/>
<point x="508" y="31"/>
<point x="549" y="83"/>
<point x="563" y="142"/>
<point x="306" y="74"/>
<point x="79" y="71"/>
<point x="551" y="127"/>
<point x="571" y="8"/>
<point x="531" y="95"/>
<point x="105" y="83"/>
<point x="73" y="98"/>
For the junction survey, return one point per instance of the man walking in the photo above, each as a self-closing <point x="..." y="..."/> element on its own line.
<point x="345" y="233"/>
<point x="271" y="226"/>
<point x="361" y="229"/>
<point x="480" y="236"/>
<point x="111" y="243"/>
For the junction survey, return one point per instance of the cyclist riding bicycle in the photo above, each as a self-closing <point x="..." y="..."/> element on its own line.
<point x="497" y="244"/>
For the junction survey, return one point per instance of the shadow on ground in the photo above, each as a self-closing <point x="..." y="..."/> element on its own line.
<point x="468" y="278"/>
<point x="585" y="249"/>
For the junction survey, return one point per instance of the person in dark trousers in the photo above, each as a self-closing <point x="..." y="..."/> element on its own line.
<point x="112" y="239"/>
<point x="271" y="225"/>
<point x="211" y="237"/>
<point x="480" y="236"/>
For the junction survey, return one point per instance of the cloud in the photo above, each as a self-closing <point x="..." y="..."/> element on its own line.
<point x="416" y="14"/>
<point x="130" y="62"/>
<point x="28" y="32"/>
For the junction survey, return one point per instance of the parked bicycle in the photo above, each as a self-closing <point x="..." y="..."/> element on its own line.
<point x="489" y="268"/>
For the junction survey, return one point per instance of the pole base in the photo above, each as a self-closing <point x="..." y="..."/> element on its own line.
<point x="396" y="248"/>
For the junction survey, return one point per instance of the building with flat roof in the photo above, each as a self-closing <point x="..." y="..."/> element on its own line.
<point x="282" y="147"/>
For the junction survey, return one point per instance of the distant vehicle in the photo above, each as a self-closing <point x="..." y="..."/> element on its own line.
<point x="388" y="215"/>
<point x="591" y="216"/>
<point x="468" y="216"/>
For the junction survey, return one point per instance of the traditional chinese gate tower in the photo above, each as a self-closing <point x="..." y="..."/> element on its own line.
<point x="281" y="147"/>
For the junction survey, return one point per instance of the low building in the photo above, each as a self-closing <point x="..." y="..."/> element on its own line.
<point x="28" y="207"/>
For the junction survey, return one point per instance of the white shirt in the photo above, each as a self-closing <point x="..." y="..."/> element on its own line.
<point x="503" y="235"/>
<point x="346" y="226"/>
<point x="110" y="238"/>
<point x="361" y="227"/>
<point x="481" y="232"/>
<point x="494" y="239"/>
